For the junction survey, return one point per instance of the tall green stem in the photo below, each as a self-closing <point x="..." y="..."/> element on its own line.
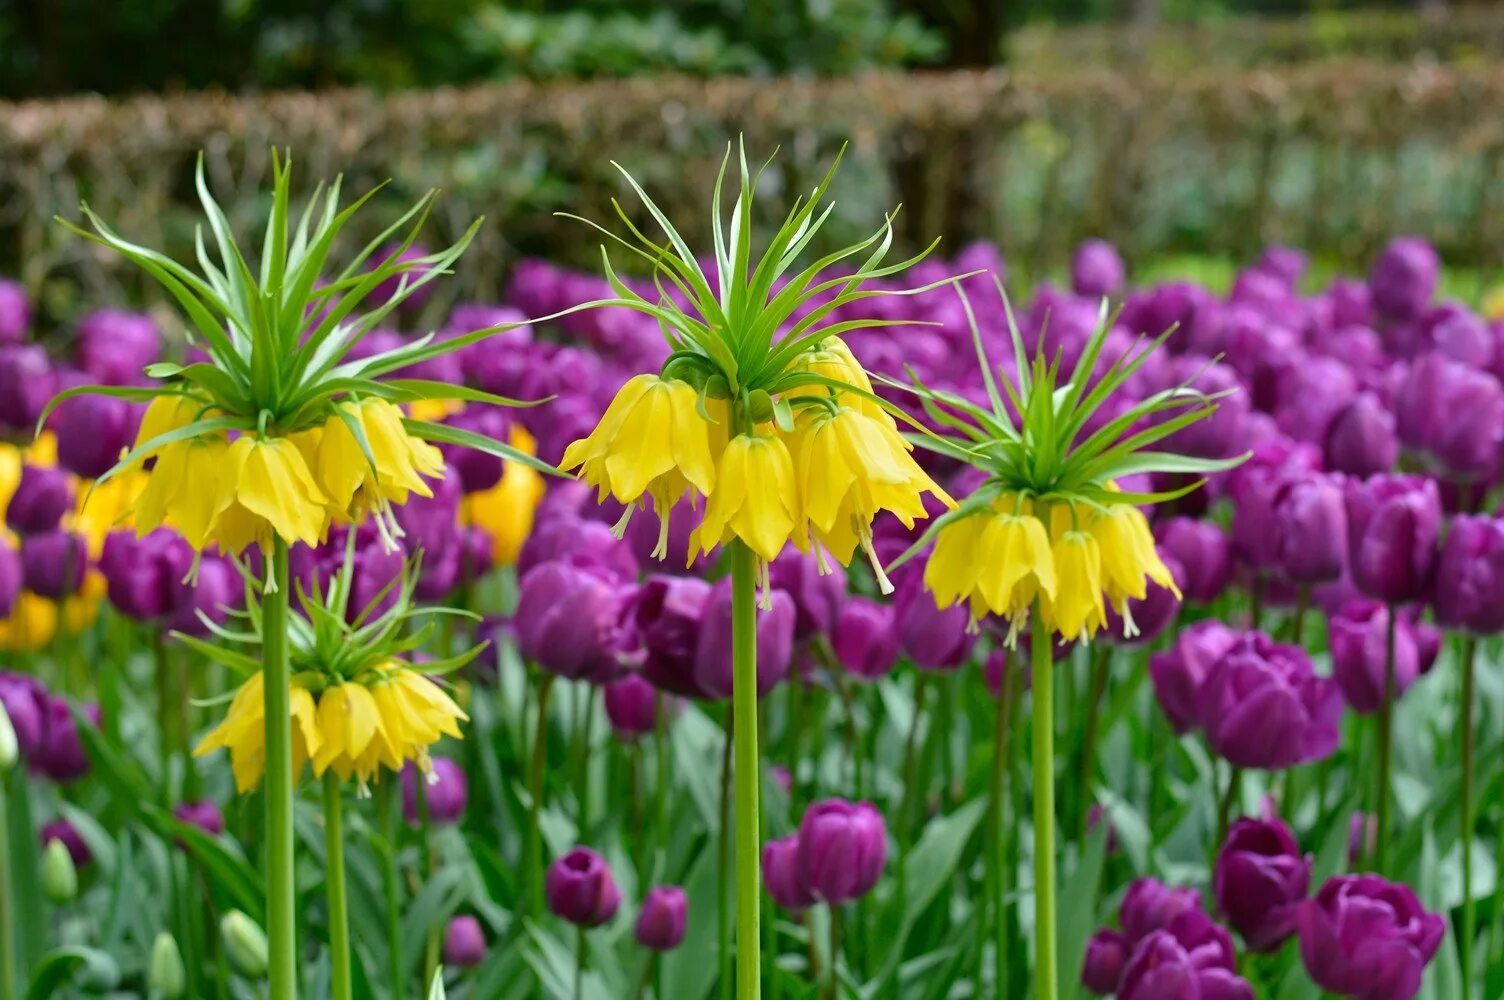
<point x="334" y="888"/>
<point x="1046" y="987"/>
<point x="744" y="732"/>
<point x="1469" y="905"/>
<point x="7" y="890"/>
<point x="1386" y="727"/>
<point x="281" y="892"/>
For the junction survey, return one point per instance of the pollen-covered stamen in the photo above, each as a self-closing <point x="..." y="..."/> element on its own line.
<point x="822" y="565"/>
<point x="271" y="570"/>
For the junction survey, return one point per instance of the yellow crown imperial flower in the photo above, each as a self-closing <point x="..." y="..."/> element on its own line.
<point x="1128" y="559"/>
<point x="849" y="466"/>
<point x="754" y="500"/>
<point x="998" y="561"/>
<point x="382" y="722"/>
<point x="1076" y="610"/>
<point x="356" y="482"/>
<point x="266" y="490"/>
<point x="833" y="360"/>
<point x="187" y="489"/>
<point x="243" y="732"/>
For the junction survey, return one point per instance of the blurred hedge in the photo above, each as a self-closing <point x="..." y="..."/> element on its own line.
<point x="1336" y="157"/>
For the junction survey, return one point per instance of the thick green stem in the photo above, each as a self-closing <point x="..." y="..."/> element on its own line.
<point x="1046" y="986"/>
<point x="998" y="867"/>
<point x="533" y="870"/>
<point x="1386" y="728"/>
<point x="1469" y="905"/>
<point x="334" y="888"/>
<point x="744" y="732"/>
<point x="7" y="890"/>
<point x="389" y="807"/>
<point x="833" y="984"/>
<point x="723" y="879"/>
<point x="281" y="892"/>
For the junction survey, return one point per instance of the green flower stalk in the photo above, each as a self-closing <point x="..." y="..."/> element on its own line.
<point x="1049" y="540"/>
<point x="763" y="411"/>
<point x="278" y="434"/>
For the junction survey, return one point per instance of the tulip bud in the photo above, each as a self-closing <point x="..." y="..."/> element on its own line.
<point x="934" y="638"/>
<point x="782" y="876"/>
<point x="1164" y="968"/>
<point x="1470" y="576"/>
<point x="1203" y="552"/>
<point x="864" y="640"/>
<point x="59" y="876"/>
<point x="245" y="944"/>
<point x="842" y="849"/>
<point x="15" y="312"/>
<point x="28" y="381"/>
<point x="54" y="563"/>
<point x="464" y="943"/>
<point x="445" y="788"/>
<point x="1361" y="440"/>
<point x="92" y="431"/>
<point x="114" y="345"/>
<point x="1096" y="269"/>
<point x="1393" y="523"/>
<point x="1404" y="277"/>
<point x="1149" y="905"/>
<point x="61" y="755"/>
<point x="661" y="922"/>
<point x="63" y="832"/>
<point x="566" y="621"/>
<point x="664" y="619"/>
<point x="1362" y="936"/>
<point x="1106" y="955"/>
<point x="1260" y="880"/>
<point x="1310" y="517"/>
<point x="165" y="977"/>
<point x="10" y="750"/>
<point x="580" y="889"/>
<point x="41" y="499"/>
<point x="1359" y="639"/>
<point x="630" y="704"/>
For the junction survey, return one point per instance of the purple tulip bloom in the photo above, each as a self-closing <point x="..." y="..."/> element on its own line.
<point x="1310" y="518"/>
<point x="630" y="705"/>
<point x="865" y="641"/>
<point x="26" y="703"/>
<point x="446" y="791"/>
<point x="1361" y="440"/>
<point x="581" y="543"/>
<point x="1164" y="969"/>
<point x="1470" y="575"/>
<point x="817" y="596"/>
<point x="663" y="620"/>
<point x="204" y="814"/>
<point x="783" y="877"/>
<point x="1404" y="277"/>
<point x="1261" y="705"/>
<point x="61" y="755"/>
<point x="28" y="381"/>
<point x="1106" y="958"/>
<point x="1179" y="671"/>
<point x="1260" y="880"/>
<point x="464" y="942"/>
<point x="114" y="346"/>
<point x="567" y="621"/>
<point x="54" y="563"/>
<point x="1393" y="523"/>
<point x="842" y="849"/>
<point x="934" y="638"/>
<point x="1096" y="269"/>
<point x="42" y="497"/>
<point x="1359" y="639"/>
<point x="775" y="643"/>
<point x="1204" y="554"/>
<point x="1149" y="905"/>
<point x="1364" y="937"/>
<point x="580" y="889"/>
<point x="15" y="312"/>
<point x="661" y="921"/>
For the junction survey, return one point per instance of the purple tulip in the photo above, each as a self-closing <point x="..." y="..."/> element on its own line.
<point x="430" y="524"/>
<point x="566" y="621"/>
<point x="1106" y="957"/>
<point x="15" y="312"/>
<point x="1393" y="523"/>
<point x="663" y="619"/>
<point x="26" y="702"/>
<point x="478" y="470"/>
<point x="28" y="381"/>
<point x="61" y="829"/>
<point x="1255" y="489"/>
<point x="42" y="497"/>
<point x="1404" y="277"/>
<point x="1261" y="705"/>
<point x="464" y="942"/>
<point x="91" y="433"/>
<point x="783" y="877"/>
<point x="10" y="578"/>
<point x="1164" y="969"/>
<point x="1096" y="269"/>
<point x="581" y="543"/>
<point x="1225" y="432"/>
<point x="1467" y="440"/>
<point x="446" y="791"/>
<point x="1364" y="937"/>
<point x="775" y="643"/>
<point x="54" y="563"/>
<point x="61" y="755"/>
<point x="864" y="638"/>
<point x="1260" y="880"/>
<point x="1204" y="554"/>
<point x="143" y="576"/>
<point x="204" y="814"/>
<point x="662" y="919"/>
<point x="1361" y="440"/>
<point x="1149" y="905"/>
<point x="114" y="346"/>
<point x="817" y="596"/>
<point x="631" y="706"/>
<point x="1470" y="575"/>
<point x="1359" y="641"/>
<point x="842" y="849"/>
<point x="1310" y="516"/>
<point x="217" y="591"/>
<point x="581" y="890"/>
<point x="934" y="638"/>
<point x="1179" y="672"/>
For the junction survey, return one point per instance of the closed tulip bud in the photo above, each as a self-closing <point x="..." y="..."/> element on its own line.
<point x="1262" y="705"/>
<point x="1096" y="269"/>
<point x="54" y="563"/>
<point x="566" y="621"/>
<point x="1255" y="491"/>
<point x="1204" y="553"/>
<point x="92" y="431"/>
<point x="464" y="943"/>
<point x="15" y="312"/>
<point x="245" y="944"/>
<point x="165" y="976"/>
<point x="25" y="703"/>
<point x="1359" y="639"/>
<point x="1361" y="440"/>
<point x="663" y="619"/>
<point x="204" y="814"/>
<point x="934" y="638"/>
<point x="818" y="597"/>
<point x="10" y="749"/>
<point x="114" y="346"/>
<point x="28" y="381"/>
<point x="1164" y="969"/>
<point x="580" y="889"/>
<point x="61" y="755"/>
<point x="1393" y="523"/>
<point x="842" y="849"/>
<point x="1466" y="441"/>
<point x="1404" y="277"/>
<point x="1106" y="956"/>
<point x="1362" y="936"/>
<point x="1470" y="575"/>
<point x="1179" y="671"/>
<point x="1149" y="905"/>
<point x="144" y="576"/>
<point x="1311" y="529"/>
<point x="630" y="704"/>
<point x="1260" y="880"/>
<point x="782" y="875"/>
<point x="446" y="791"/>
<point x="580" y="543"/>
<point x="864" y="640"/>
<point x="775" y="642"/>
<point x="59" y="876"/>
<point x="41" y="499"/>
<point x="10" y="577"/>
<point x="661" y="922"/>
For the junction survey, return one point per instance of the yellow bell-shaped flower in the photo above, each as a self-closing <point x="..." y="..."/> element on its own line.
<point x="1017" y="564"/>
<point x="188" y="489"/>
<point x="1076" y="610"/>
<point x="756" y="498"/>
<point x="398" y="461"/>
<point x="266" y="490"/>
<point x="834" y="360"/>
<point x="1128" y="557"/>
<point x="243" y="732"/>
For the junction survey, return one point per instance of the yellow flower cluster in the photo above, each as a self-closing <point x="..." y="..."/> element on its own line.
<point x="816" y="486"/>
<point x="355" y="727"/>
<point x="1074" y="560"/>
<point x="236" y="493"/>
